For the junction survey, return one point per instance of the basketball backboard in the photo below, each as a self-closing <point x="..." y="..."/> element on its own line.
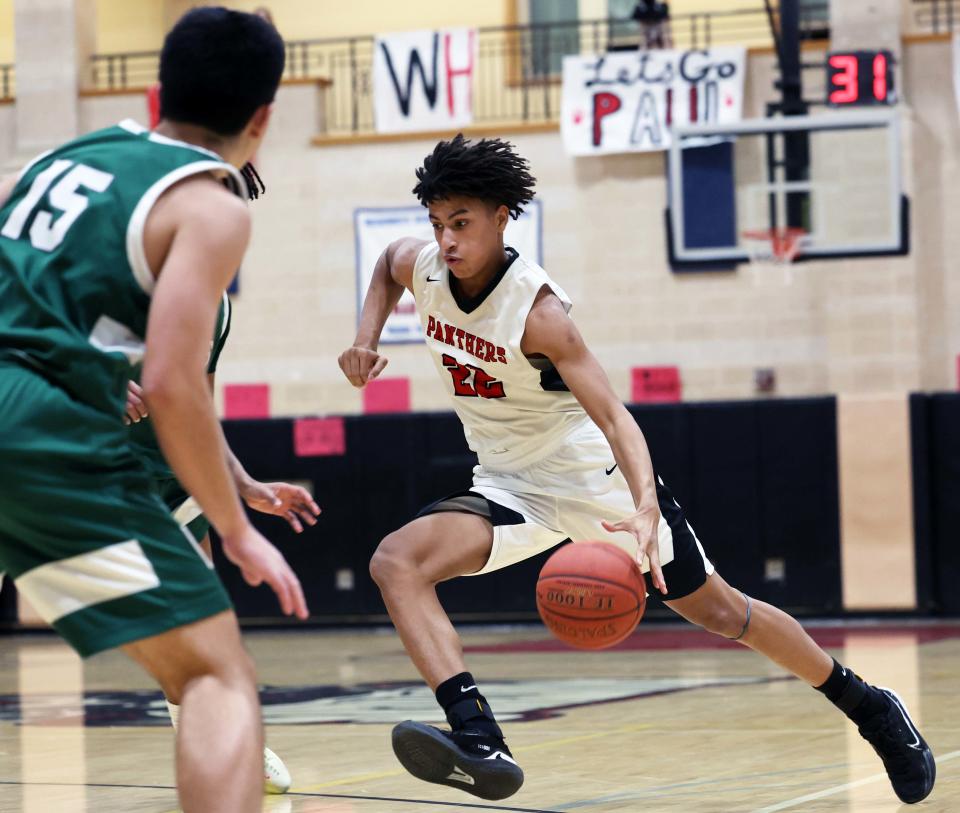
<point x="834" y="175"/>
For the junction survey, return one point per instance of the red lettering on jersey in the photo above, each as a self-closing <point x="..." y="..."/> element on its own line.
<point x="460" y="375"/>
<point x="486" y="385"/>
<point x="457" y="337"/>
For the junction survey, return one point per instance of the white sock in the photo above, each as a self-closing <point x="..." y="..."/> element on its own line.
<point x="174" y="710"/>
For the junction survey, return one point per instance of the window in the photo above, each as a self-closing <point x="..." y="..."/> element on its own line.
<point x="554" y="33"/>
<point x="624" y="32"/>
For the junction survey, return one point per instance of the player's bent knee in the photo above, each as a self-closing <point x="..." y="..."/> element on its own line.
<point x="391" y="562"/>
<point x="722" y="619"/>
<point x="236" y="672"/>
<point x="211" y="647"/>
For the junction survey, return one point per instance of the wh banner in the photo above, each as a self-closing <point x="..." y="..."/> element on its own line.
<point x="375" y="229"/>
<point x="627" y="102"/>
<point x="424" y="80"/>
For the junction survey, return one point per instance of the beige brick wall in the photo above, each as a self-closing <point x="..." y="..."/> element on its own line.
<point x="852" y="327"/>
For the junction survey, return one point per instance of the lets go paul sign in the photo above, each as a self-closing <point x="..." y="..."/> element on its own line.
<point x="627" y="102"/>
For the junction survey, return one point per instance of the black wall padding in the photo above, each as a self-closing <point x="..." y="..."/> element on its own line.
<point x="8" y="602"/>
<point x="758" y="480"/>
<point x="935" y="437"/>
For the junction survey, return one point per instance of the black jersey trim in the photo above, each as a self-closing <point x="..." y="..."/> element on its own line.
<point x="552" y="381"/>
<point x="468" y="304"/>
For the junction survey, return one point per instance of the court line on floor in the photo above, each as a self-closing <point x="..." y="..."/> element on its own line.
<point x="401" y="800"/>
<point x="354" y="797"/>
<point x="714" y="785"/>
<point x="820" y="794"/>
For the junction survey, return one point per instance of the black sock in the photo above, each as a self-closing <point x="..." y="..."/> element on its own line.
<point x="465" y="707"/>
<point x="852" y="695"/>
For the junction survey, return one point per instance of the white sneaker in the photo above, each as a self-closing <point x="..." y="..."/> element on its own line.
<point x="276" y="777"/>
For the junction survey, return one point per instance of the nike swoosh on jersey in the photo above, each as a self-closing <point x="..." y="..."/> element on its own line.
<point x="434" y="279"/>
<point x="468" y="688"/>
<point x="610" y="470"/>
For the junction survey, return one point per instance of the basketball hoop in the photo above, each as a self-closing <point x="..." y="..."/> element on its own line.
<point x="774" y="248"/>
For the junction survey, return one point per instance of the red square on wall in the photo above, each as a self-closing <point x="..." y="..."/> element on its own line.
<point x="319" y="437"/>
<point x="655" y="384"/>
<point x="246" y="401"/>
<point x="386" y="395"/>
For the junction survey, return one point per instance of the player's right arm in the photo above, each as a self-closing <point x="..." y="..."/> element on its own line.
<point x="393" y="272"/>
<point x="196" y="236"/>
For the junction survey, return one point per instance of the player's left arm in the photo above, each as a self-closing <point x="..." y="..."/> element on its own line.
<point x="293" y="503"/>
<point x="551" y="332"/>
<point x="286" y="500"/>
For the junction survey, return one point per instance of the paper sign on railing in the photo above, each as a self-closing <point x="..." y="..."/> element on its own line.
<point x="424" y="80"/>
<point x="627" y="102"/>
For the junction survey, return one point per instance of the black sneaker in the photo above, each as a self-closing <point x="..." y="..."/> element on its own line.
<point x="467" y="760"/>
<point x="906" y="756"/>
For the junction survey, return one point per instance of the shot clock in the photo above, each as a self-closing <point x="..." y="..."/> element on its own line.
<point x="857" y="78"/>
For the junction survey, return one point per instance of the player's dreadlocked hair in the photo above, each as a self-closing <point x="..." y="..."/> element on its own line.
<point x="255" y="185"/>
<point x="488" y="169"/>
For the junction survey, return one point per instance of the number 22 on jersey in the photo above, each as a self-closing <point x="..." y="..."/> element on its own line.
<point x="48" y="232"/>
<point x="482" y="384"/>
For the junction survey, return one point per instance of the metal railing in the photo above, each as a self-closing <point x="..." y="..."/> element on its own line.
<point x="518" y="67"/>
<point x="936" y="16"/>
<point x="7" y="89"/>
<point x="127" y="71"/>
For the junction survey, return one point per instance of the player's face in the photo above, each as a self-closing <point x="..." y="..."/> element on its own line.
<point x="470" y="235"/>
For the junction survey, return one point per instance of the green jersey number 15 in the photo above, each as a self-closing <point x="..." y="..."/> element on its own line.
<point x="47" y="233"/>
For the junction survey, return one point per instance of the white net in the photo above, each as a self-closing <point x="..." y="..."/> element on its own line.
<point x="772" y="251"/>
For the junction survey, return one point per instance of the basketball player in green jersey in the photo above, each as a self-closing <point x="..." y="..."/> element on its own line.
<point x="94" y="235"/>
<point x="294" y="503"/>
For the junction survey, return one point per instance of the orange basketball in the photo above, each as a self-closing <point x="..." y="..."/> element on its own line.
<point x="591" y="595"/>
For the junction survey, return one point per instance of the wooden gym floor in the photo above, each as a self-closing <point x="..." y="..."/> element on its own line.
<point x="672" y="721"/>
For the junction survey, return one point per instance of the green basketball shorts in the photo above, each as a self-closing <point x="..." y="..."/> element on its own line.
<point x="183" y="507"/>
<point x="83" y="532"/>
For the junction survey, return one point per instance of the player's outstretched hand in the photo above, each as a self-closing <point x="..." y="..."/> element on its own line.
<point x="259" y="561"/>
<point x="136" y="409"/>
<point x="293" y="503"/>
<point x="643" y="525"/>
<point x="361" y="364"/>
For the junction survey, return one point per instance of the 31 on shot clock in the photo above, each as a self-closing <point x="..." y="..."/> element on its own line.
<point x="860" y="78"/>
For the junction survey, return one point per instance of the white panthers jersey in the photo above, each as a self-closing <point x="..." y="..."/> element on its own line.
<point x="515" y="411"/>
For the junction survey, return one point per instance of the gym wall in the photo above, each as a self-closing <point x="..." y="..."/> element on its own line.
<point x="867" y="326"/>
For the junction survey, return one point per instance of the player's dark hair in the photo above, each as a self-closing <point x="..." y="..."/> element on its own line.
<point x="255" y="184"/>
<point x="217" y="67"/>
<point x="488" y="169"/>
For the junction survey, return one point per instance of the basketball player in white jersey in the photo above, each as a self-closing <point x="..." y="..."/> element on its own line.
<point x="559" y="457"/>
